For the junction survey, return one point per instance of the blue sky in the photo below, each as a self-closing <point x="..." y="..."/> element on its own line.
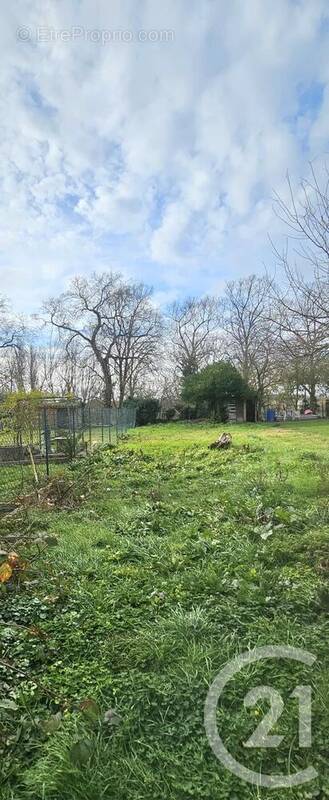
<point x="153" y="153"/>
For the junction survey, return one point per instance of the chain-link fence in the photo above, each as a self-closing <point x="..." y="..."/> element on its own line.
<point x="37" y="435"/>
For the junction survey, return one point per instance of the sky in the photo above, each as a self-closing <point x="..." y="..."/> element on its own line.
<point x="148" y="137"/>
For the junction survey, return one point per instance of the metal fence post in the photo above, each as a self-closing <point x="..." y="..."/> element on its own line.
<point x="73" y="432"/>
<point x="46" y="435"/>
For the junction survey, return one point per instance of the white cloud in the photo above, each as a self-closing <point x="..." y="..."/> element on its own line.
<point x="160" y="158"/>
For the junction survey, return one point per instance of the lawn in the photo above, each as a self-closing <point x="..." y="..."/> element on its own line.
<point x="174" y="560"/>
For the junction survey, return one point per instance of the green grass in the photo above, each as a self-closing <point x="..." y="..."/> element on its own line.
<point x="161" y="576"/>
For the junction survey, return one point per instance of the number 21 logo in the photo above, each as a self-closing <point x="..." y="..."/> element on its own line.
<point x="262" y="736"/>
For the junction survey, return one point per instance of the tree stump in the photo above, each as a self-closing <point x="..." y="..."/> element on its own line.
<point x="222" y="443"/>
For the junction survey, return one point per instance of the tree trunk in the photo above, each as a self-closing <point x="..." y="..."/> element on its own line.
<point x="108" y="386"/>
<point x="313" y="403"/>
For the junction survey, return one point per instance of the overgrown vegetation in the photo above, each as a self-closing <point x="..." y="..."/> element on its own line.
<point x="125" y="603"/>
<point x="213" y="388"/>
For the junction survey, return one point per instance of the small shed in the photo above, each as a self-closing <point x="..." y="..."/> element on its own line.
<point x="242" y="411"/>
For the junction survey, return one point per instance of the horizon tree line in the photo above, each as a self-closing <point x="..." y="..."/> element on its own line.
<point x="104" y="337"/>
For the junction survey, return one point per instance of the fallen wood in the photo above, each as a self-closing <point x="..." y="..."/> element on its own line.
<point x="35" y="474"/>
<point x="222" y="443"/>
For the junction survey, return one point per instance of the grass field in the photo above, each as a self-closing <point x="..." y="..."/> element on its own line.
<point x="177" y="559"/>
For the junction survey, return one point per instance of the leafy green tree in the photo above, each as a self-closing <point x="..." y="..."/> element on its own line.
<point x="215" y="386"/>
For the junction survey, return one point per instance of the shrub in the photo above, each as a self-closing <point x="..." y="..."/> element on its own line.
<point x="214" y="387"/>
<point x="147" y="410"/>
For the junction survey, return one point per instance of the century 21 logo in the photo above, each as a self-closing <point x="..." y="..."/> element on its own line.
<point x="262" y="737"/>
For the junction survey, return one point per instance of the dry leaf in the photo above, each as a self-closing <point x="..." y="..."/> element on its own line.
<point x="5" y="572"/>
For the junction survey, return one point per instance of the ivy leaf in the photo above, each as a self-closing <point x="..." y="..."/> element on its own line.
<point x="51" y="540"/>
<point x="80" y="752"/>
<point x="268" y="532"/>
<point x="52" y="724"/>
<point x="90" y="709"/>
<point x="8" y="705"/>
<point x="111" y="717"/>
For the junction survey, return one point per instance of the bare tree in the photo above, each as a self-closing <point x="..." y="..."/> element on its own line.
<point x="305" y="255"/>
<point x="33" y="367"/>
<point x="251" y="335"/>
<point x="50" y="355"/>
<point x="20" y="367"/>
<point x="11" y="328"/>
<point x="12" y="352"/>
<point x="303" y="342"/>
<point x="137" y="332"/>
<point x="194" y="333"/>
<point x="19" y="359"/>
<point x="77" y="373"/>
<point x="7" y="371"/>
<point x="302" y="298"/>
<point x="115" y="322"/>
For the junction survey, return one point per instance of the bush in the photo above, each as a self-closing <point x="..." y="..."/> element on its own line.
<point x="214" y="387"/>
<point x="147" y="410"/>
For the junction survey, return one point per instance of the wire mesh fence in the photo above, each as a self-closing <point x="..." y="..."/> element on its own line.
<point x="37" y="436"/>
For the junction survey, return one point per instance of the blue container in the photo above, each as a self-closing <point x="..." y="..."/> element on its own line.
<point x="270" y="415"/>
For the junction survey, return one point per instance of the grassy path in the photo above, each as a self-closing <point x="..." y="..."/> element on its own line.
<point x="177" y="559"/>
